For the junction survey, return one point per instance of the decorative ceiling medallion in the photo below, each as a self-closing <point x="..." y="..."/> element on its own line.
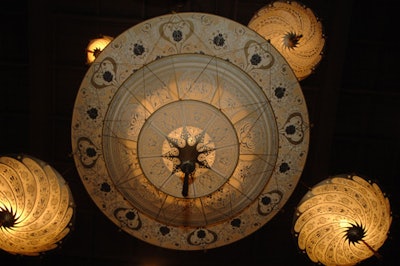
<point x="342" y="220"/>
<point x="36" y="206"/>
<point x="294" y="31"/>
<point x="190" y="131"/>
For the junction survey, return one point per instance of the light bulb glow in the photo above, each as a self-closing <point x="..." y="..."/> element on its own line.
<point x="95" y="47"/>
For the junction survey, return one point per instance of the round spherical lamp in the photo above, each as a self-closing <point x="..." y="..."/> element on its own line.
<point x="36" y="206"/>
<point x="343" y="220"/>
<point x="295" y="32"/>
<point x="95" y="47"/>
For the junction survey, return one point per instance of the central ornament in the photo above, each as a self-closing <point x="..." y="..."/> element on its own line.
<point x="7" y="218"/>
<point x="200" y="152"/>
<point x="191" y="156"/>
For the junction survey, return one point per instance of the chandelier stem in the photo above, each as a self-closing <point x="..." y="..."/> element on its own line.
<point x="185" y="187"/>
<point x="188" y="168"/>
<point x="376" y="253"/>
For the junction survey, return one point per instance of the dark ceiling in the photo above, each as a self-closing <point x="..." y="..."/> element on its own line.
<point x="353" y="100"/>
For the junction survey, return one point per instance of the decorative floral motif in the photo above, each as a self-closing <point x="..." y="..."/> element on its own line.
<point x="138" y="49"/>
<point x="269" y="202"/>
<point x="219" y="40"/>
<point x="164" y="230"/>
<point x="236" y="222"/>
<point x="293" y="129"/>
<point x="177" y="35"/>
<point x="257" y="56"/>
<point x="176" y="31"/>
<point x="247" y="136"/>
<point x="92" y="113"/>
<point x="105" y="187"/>
<point x="255" y="59"/>
<point x="104" y="73"/>
<point x="202" y="237"/>
<point x="284" y="167"/>
<point x="129" y="218"/>
<point x="280" y="92"/>
<point x="88" y="154"/>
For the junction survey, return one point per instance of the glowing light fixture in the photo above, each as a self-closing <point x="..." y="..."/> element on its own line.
<point x="295" y="32"/>
<point x="182" y="135"/>
<point x="343" y="220"/>
<point x="96" y="46"/>
<point x="36" y="206"/>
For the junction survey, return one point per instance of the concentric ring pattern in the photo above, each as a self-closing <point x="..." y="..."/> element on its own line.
<point x="342" y="221"/>
<point x="190" y="131"/>
<point x="36" y="206"/>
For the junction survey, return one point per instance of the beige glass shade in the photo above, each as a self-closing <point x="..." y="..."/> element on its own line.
<point x="95" y="47"/>
<point x="295" y="31"/>
<point x="36" y="206"/>
<point x="342" y="221"/>
<point x="190" y="131"/>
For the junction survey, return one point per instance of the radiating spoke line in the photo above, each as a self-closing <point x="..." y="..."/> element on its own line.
<point x="263" y="157"/>
<point x="118" y="138"/>
<point x="164" y="85"/>
<point x="115" y="136"/>
<point x="162" y="206"/>
<point x="244" y="105"/>
<point x="224" y="215"/>
<point x="222" y="212"/>
<point x="263" y="109"/>
<point x="198" y="77"/>
<point x="166" y="180"/>
<point x="126" y="177"/>
<point x="159" y="131"/>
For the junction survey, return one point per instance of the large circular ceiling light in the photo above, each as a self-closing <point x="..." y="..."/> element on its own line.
<point x="190" y="131"/>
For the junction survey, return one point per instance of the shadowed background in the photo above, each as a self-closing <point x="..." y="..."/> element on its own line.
<point x="353" y="101"/>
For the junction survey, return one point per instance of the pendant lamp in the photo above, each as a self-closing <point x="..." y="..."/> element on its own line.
<point x="36" y="206"/>
<point x="295" y="31"/>
<point x="343" y="220"/>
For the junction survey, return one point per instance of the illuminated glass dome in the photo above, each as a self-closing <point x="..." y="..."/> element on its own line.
<point x="36" y="206"/>
<point x="342" y="221"/>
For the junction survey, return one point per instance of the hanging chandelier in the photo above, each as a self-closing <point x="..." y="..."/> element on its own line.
<point x="36" y="206"/>
<point x="182" y="134"/>
<point x="294" y="31"/>
<point x="343" y="220"/>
